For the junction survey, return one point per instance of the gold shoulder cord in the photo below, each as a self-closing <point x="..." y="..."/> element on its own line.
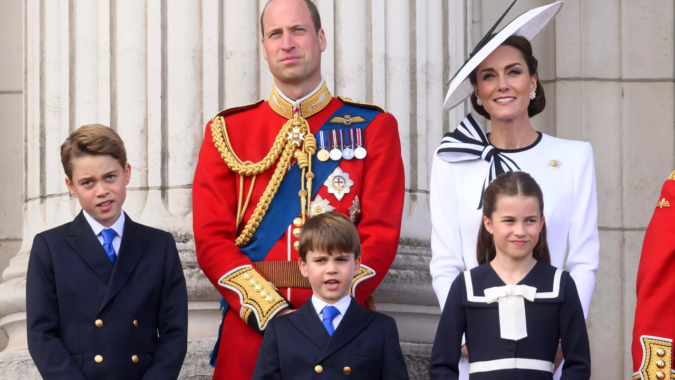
<point x="294" y="134"/>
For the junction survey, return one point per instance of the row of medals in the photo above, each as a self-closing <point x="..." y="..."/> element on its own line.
<point x="346" y="151"/>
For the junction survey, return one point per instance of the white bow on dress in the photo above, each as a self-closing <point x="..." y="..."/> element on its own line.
<point x="512" y="321"/>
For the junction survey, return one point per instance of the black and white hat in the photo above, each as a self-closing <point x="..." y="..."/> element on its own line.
<point x="527" y="25"/>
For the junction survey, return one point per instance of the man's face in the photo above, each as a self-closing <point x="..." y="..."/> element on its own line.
<point x="99" y="183"/>
<point x="291" y="46"/>
<point x="330" y="275"/>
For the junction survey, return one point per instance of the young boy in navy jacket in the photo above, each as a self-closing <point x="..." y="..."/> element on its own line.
<point x="106" y="297"/>
<point x="331" y="334"/>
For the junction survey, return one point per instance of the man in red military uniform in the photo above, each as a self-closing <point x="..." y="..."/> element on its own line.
<point x="266" y="167"/>
<point x="654" y="327"/>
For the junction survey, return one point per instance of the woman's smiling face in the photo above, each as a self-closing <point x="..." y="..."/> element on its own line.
<point x="504" y="84"/>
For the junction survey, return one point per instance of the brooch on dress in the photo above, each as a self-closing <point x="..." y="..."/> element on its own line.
<point x="554" y="164"/>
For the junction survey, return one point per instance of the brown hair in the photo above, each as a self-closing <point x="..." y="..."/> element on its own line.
<point x="313" y="10"/>
<point x="92" y="140"/>
<point x="330" y="233"/>
<point x="523" y="45"/>
<point x="510" y="184"/>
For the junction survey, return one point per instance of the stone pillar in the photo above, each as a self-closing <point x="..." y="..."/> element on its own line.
<point x="615" y="89"/>
<point x="11" y="134"/>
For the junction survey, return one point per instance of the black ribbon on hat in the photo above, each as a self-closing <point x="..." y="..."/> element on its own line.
<point x="469" y="142"/>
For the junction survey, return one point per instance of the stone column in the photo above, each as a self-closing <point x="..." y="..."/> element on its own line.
<point x="11" y="134"/>
<point x="615" y="72"/>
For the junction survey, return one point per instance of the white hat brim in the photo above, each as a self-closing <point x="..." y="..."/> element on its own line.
<point x="527" y="25"/>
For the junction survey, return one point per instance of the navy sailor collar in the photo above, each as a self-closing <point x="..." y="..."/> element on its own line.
<point x="547" y="279"/>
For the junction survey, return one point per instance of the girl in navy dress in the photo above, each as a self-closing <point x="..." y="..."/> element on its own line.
<point x="514" y="307"/>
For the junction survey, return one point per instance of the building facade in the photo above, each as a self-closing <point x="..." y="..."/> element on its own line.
<point x="157" y="70"/>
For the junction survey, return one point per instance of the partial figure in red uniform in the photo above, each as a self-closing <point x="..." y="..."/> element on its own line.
<point x="654" y="327"/>
<point x="266" y="167"/>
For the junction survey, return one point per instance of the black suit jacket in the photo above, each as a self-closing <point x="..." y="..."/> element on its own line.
<point x="141" y="302"/>
<point x="365" y="345"/>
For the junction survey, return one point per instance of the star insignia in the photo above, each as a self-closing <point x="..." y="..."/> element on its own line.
<point x="296" y="136"/>
<point x="338" y="183"/>
<point x="319" y="206"/>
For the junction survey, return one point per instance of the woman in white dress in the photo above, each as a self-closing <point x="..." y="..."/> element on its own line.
<point x="501" y="78"/>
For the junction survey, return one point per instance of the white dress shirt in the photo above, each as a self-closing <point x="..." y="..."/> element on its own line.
<point x="342" y="306"/>
<point x="118" y="226"/>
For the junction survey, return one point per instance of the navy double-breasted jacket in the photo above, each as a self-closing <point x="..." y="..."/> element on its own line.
<point x="365" y="345"/>
<point x="90" y="319"/>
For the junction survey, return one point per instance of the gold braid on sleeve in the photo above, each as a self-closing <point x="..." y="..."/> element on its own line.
<point x="294" y="138"/>
<point x="657" y="353"/>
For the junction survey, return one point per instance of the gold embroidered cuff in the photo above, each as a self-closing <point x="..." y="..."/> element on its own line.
<point x="260" y="300"/>
<point x="364" y="274"/>
<point x="656" y="357"/>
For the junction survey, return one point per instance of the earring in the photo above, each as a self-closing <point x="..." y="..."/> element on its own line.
<point x="533" y="95"/>
<point x="479" y="101"/>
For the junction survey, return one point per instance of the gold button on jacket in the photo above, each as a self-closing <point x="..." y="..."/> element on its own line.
<point x="98" y="358"/>
<point x="99" y="323"/>
<point x="134" y="359"/>
<point x="347" y="370"/>
<point x="135" y="323"/>
<point x="318" y="369"/>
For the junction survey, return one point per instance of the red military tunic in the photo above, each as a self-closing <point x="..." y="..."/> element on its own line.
<point x="374" y="202"/>
<point x="654" y="327"/>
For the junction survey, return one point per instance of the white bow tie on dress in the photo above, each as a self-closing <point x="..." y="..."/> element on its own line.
<point x="469" y="142"/>
<point x="512" y="322"/>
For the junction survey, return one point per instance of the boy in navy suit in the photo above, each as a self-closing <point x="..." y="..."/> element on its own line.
<point x="105" y="296"/>
<point x="331" y="334"/>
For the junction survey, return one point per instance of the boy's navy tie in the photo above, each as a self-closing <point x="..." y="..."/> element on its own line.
<point x="108" y="235"/>
<point x="329" y="313"/>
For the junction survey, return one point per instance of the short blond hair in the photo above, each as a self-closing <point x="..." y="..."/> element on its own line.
<point x="329" y="233"/>
<point x="92" y="140"/>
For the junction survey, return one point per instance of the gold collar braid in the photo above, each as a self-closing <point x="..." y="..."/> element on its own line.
<point x="294" y="140"/>
<point x="308" y="107"/>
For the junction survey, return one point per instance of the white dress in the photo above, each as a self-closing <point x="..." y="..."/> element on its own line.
<point x="565" y="172"/>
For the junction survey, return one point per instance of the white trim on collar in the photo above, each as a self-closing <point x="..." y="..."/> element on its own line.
<point x="478" y="299"/>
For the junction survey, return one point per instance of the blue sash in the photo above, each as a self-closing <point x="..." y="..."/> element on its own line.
<point x="285" y="205"/>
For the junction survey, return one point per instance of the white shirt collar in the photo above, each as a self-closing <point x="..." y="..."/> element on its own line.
<point x="118" y="226"/>
<point x="342" y="305"/>
<point x="296" y="103"/>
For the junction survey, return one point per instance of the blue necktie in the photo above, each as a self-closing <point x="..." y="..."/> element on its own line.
<point x="329" y="313"/>
<point x="108" y="235"/>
